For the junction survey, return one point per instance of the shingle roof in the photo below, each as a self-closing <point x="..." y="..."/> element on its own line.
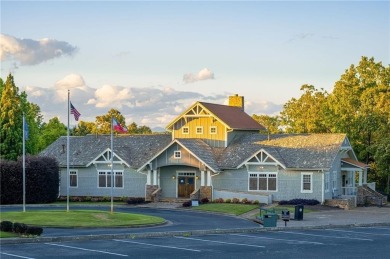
<point x="295" y="151"/>
<point x="234" y="117"/>
<point x="135" y="150"/>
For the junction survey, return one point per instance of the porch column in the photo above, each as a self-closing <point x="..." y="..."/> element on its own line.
<point x="202" y="178"/>
<point x="158" y="177"/>
<point x="154" y="177"/>
<point x="208" y="178"/>
<point x="365" y="176"/>
<point x="149" y="177"/>
<point x="360" y="177"/>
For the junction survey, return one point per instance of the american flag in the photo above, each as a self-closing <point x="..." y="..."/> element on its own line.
<point x="75" y="112"/>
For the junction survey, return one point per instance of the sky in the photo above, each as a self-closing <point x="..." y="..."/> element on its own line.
<point x="151" y="60"/>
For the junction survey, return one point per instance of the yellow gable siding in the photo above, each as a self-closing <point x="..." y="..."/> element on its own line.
<point x="193" y="123"/>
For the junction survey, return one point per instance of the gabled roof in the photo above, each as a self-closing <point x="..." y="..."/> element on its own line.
<point x="232" y="117"/>
<point x="134" y="150"/>
<point x="197" y="147"/>
<point x="355" y="163"/>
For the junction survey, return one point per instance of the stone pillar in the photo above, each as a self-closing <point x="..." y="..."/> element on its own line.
<point x="149" y="190"/>
<point x="205" y="192"/>
<point x="202" y="179"/>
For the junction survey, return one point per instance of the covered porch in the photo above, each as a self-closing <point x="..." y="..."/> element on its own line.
<point x="353" y="174"/>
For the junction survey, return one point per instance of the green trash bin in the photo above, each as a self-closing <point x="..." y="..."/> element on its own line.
<point x="270" y="219"/>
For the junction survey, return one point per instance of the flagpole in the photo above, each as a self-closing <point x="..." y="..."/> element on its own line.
<point x="112" y="167"/>
<point x="67" y="160"/>
<point x="24" y="164"/>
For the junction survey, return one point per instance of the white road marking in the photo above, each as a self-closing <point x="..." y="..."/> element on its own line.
<point x="19" y="256"/>
<point x="85" y="249"/>
<point x="172" y="247"/>
<point x="220" y="242"/>
<point x="288" y="240"/>
<point x="314" y="235"/>
<point x="357" y="232"/>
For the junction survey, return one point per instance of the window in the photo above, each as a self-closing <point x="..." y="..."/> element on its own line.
<point x="105" y="179"/>
<point x="263" y="181"/>
<point x="72" y="178"/>
<point x="177" y="154"/>
<point x="185" y="130"/>
<point x="199" y="130"/>
<point x="306" y="182"/>
<point x="213" y="130"/>
<point x="326" y="184"/>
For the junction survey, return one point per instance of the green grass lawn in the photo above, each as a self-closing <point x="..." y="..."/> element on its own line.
<point x="228" y="208"/>
<point x="7" y="234"/>
<point x="80" y="218"/>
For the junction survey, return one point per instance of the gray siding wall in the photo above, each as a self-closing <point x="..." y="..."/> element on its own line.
<point x="289" y="183"/>
<point x="167" y="158"/>
<point x="133" y="183"/>
<point x="168" y="185"/>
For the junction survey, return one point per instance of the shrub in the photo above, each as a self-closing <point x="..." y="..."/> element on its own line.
<point x="6" y="226"/>
<point x="19" y="228"/>
<point x="219" y="200"/>
<point x="135" y="200"/>
<point x="236" y="200"/>
<point x="255" y="202"/>
<point x="42" y="180"/>
<point x="228" y="200"/>
<point x="187" y="204"/>
<point x="34" y="231"/>
<point x="246" y="201"/>
<point x="204" y="200"/>
<point x="299" y="202"/>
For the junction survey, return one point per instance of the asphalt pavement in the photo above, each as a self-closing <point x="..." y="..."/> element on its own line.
<point x="182" y="221"/>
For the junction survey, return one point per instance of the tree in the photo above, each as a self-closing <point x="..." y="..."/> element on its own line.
<point x="271" y="123"/>
<point x="11" y="138"/>
<point x="51" y="132"/>
<point x="133" y="128"/>
<point x="84" y="128"/>
<point x="382" y="162"/>
<point x="305" y="115"/>
<point x="103" y="122"/>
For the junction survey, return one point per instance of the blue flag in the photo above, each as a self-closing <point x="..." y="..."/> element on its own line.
<point x="25" y="129"/>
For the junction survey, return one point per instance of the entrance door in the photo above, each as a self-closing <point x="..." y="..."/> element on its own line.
<point x="186" y="186"/>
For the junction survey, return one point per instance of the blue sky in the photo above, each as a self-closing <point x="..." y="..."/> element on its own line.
<point x="151" y="60"/>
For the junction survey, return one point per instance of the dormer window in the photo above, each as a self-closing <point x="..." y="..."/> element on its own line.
<point x="199" y="130"/>
<point x="185" y="130"/>
<point x="213" y="130"/>
<point x="177" y="155"/>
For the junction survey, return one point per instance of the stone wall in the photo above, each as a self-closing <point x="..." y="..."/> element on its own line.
<point x="346" y="204"/>
<point x="366" y="196"/>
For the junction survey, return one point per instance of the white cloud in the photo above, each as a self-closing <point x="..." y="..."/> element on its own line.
<point x="70" y="81"/>
<point x="32" y="52"/>
<point x="203" y="74"/>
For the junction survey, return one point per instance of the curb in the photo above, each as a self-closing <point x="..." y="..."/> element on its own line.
<point x="174" y="233"/>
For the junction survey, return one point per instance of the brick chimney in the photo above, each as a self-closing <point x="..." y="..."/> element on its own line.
<point x="237" y="101"/>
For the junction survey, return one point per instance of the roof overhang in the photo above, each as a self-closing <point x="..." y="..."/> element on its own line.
<point x="355" y="163"/>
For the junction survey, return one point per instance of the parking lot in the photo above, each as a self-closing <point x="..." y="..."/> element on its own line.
<point x="357" y="242"/>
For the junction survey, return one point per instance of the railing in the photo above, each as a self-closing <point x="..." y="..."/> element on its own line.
<point x="348" y="190"/>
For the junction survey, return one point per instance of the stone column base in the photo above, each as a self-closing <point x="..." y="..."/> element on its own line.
<point x="150" y="189"/>
<point x="205" y="192"/>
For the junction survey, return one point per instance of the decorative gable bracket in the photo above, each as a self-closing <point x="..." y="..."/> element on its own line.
<point x="261" y="158"/>
<point x="105" y="158"/>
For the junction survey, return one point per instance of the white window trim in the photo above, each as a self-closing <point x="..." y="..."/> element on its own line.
<point x="77" y="178"/>
<point x="185" y="133"/>
<point x="175" y="153"/>
<point x="267" y="173"/>
<point x="109" y="171"/>
<point x="311" y="183"/>
<point x="211" y="132"/>
<point x="201" y="130"/>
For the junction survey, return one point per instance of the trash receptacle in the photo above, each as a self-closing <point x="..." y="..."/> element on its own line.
<point x="270" y="219"/>
<point x="298" y="212"/>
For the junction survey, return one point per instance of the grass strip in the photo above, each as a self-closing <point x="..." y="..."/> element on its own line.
<point x="80" y="218"/>
<point x="228" y="208"/>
